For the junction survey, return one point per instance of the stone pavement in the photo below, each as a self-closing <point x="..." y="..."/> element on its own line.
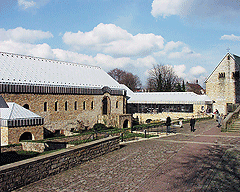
<point x="188" y="161"/>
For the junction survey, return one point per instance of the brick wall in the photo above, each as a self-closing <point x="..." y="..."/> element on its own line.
<point x="21" y="173"/>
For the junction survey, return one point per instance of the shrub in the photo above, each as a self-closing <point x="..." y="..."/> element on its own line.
<point x="99" y="127"/>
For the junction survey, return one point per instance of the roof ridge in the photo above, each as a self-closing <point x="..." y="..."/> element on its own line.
<point x="54" y="60"/>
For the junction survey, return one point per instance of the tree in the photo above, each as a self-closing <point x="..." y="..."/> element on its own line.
<point x="162" y="78"/>
<point x="123" y="77"/>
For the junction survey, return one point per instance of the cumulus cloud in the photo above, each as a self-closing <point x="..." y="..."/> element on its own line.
<point x="180" y="70"/>
<point x="20" y="34"/>
<point x="198" y="70"/>
<point x="200" y="8"/>
<point x="230" y="37"/>
<point x="111" y="39"/>
<point x="186" y="53"/>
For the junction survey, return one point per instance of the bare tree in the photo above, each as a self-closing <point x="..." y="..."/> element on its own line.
<point x="121" y="76"/>
<point x="162" y="78"/>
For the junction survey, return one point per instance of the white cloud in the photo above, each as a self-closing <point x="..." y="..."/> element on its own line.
<point x="180" y="70"/>
<point x="167" y="7"/>
<point x="198" y="70"/>
<point x="20" y="34"/>
<point x="110" y="39"/>
<point x="230" y="37"/>
<point x="26" y="4"/>
<point x="210" y="8"/>
<point x="185" y="53"/>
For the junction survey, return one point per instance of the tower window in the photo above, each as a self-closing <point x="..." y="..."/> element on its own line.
<point x="92" y="105"/>
<point x="66" y="106"/>
<point x="84" y="105"/>
<point x="75" y="105"/>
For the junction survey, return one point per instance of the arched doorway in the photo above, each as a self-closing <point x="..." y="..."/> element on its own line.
<point x="106" y="106"/>
<point x="126" y="124"/>
<point x="26" y="136"/>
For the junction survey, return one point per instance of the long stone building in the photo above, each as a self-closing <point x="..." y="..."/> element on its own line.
<point x="66" y="95"/>
<point x="222" y="85"/>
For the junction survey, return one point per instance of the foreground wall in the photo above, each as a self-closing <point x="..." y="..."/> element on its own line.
<point x="24" y="172"/>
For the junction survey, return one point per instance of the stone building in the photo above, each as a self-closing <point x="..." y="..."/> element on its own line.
<point x="67" y="95"/>
<point x="222" y="85"/>
<point x="195" y="88"/>
<point x="18" y="123"/>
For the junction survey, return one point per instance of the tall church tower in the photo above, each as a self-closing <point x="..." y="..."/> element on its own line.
<point x="222" y="86"/>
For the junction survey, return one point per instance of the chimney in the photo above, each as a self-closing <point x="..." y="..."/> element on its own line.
<point x="196" y="81"/>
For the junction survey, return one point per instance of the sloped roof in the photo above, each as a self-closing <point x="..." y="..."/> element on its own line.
<point x="16" y="111"/>
<point x="169" y="98"/>
<point x="235" y="57"/>
<point x="194" y="87"/>
<point x="20" y="69"/>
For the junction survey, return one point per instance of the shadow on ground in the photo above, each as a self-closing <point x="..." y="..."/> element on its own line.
<point x="216" y="169"/>
<point x="13" y="156"/>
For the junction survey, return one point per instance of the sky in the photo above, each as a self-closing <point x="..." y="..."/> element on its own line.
<point x="192" y="36"/>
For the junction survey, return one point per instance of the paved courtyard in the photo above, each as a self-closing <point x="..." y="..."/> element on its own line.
<point x="204" y="160"/>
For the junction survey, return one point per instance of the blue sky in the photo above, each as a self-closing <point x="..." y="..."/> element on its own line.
<point x="190" y="35"/>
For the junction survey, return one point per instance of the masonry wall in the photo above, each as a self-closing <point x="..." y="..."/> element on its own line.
<point x="222" y="89"/>
<point x="21" y="173"/>
<point x="67" y="119"/>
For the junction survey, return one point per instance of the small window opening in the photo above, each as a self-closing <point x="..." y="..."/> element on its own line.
<point x="84" y="105"/>
<point x="56" y="106"/>
<point x="45" y="106"/>
<point x="75" y="105"/>
<point x="92" y="105"/>
<point x="26" y="106"/>
<point x="66" y="106"/>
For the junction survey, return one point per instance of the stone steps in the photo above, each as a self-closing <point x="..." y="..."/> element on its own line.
<point x="235" y="127"/>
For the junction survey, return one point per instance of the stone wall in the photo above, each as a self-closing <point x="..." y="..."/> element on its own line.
<point x="21" y="173"/>
<point x="63" y="119"/>
<point x="221" y="85"/>
<point x="11" y="135"/>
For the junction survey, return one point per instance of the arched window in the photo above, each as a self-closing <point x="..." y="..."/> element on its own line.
<point x="26" y="106"/>
<point x="117" y="104"/>
<point x="106" y="109"/>
<point x="84" y="105"/>
<point x="26" y="136"/>
<point x="66" y="106"/>
<point x="45" y="106"/>
<point x="92" y="105"/>
<point x="56" y="106"/>
<point x="75" y="105"/>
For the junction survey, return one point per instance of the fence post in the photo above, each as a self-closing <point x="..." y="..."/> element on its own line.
<point x="121" y="137"/>
<point x="145" y="133"/>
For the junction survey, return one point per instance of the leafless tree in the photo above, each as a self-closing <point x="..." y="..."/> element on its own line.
<point x="123" y="77"/>
<point x="162" y="78"/>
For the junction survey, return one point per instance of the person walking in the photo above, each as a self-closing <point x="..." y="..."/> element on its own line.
<point x="168" y="124"/>
<point x="219" y="119"/>
<point x="192" y="123"/>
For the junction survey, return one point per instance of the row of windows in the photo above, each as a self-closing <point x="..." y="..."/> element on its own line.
<point x="56" y="106"/>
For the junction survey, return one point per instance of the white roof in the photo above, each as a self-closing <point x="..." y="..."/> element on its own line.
<point x="16" y="111"/>
<point x="20" y="69"/>
<point x="168" y="98"/>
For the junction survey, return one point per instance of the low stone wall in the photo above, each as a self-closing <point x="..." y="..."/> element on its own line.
<point x="24" y="172"/>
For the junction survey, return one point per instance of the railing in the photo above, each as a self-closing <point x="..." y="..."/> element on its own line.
<point x="230" y="119"/>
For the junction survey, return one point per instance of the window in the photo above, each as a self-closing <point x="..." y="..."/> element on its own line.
<point x="56" y="106"/>
<point x="45" y="106"/>
<point x="66" y="106"/>
<point x="75" y="105"/>
<point x="84" y="105"/>
<point x="92" y="105"/>
<point x="26" y="106"/>
<point x="221" y="75"/>
<point x="117" y="104"/>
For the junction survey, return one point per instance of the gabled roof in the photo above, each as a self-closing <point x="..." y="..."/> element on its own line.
<point x="194" y="87"/>
<point x="16" y="111"/>
<point x="20" y="69"/>
<point x="235" y="57"/>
